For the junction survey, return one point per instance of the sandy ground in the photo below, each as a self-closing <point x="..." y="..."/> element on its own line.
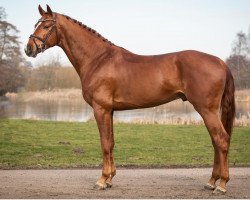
<point x="129" y="183"/>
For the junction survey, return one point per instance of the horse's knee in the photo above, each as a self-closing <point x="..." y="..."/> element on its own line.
<point x="106" y="148"/>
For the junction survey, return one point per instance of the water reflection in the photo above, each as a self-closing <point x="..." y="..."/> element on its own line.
<point x="78" y="110"/>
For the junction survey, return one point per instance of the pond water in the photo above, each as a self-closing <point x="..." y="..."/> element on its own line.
<point x="176" y="112"/>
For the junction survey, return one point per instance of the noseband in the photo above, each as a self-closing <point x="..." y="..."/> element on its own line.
<point x="42" y="47"/>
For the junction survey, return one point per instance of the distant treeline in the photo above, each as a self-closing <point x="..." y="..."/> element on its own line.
<point x="48" y="77"/>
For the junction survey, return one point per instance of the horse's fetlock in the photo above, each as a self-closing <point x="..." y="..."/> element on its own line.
<point x="106" y="174"/>
<point x="215" y="176"/>
<point x="113" y="173"/>
<point x="225" y="178"/>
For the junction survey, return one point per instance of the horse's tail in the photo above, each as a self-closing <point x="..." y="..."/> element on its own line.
<point x="228" y="104"/>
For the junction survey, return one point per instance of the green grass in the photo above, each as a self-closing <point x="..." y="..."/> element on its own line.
<point x="44" y="144"/>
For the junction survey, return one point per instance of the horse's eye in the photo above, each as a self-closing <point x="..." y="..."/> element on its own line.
<point x="45" y="27"/>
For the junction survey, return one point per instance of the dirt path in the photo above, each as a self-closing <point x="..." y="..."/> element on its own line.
<point x="129" y="183"/>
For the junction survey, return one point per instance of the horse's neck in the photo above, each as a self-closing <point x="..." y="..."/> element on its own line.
<point x="80" y="45"/>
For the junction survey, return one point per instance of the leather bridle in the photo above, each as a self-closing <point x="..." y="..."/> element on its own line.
<point x="42" y="47"/>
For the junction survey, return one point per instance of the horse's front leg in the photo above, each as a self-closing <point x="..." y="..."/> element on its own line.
<point x="113" y="168"/>
<point x="103" y="118"/>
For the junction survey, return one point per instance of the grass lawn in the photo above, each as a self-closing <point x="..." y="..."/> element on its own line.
<point x="44" y="144"/>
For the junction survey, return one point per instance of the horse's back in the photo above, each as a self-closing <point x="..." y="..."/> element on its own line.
<point x="144" y="81"/>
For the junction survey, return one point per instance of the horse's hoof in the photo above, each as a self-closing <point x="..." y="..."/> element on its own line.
<point x="100" y="186"/>
<point x="209" y="186"/>
<point x="219" y="190"/>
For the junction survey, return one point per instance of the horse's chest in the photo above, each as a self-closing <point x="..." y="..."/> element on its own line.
<point x="87" y="95"/>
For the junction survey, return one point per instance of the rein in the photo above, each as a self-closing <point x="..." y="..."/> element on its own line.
<point x="42" y="47"/>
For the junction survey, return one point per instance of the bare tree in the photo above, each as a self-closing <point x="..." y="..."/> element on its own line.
<point x="240" y="45"/>
<point x="239" y="60"/>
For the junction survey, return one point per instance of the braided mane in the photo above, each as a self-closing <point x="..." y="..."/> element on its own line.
<point x="89" y="29"/>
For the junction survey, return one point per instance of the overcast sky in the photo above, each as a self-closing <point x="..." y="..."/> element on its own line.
<point x="143" y="26"/>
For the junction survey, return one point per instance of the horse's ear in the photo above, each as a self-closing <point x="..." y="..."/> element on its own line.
<point x="49" y="11"/>
<point x="41" y="11"/>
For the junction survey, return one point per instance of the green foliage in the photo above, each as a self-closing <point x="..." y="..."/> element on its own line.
<point x="36" y="144"/>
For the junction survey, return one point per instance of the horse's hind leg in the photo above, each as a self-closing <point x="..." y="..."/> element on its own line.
<point x="216" y="170"/>
<point x="220" y="140"/>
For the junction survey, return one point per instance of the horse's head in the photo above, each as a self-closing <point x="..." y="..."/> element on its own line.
<point x="45" y="34"/>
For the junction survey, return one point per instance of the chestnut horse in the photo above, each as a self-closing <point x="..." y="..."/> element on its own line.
<point x="115" y="79"/>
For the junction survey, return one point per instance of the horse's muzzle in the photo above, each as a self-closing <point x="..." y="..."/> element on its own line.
<point x="28" y="50"/>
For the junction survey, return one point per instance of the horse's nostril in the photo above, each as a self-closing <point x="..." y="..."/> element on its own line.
<point x="29" y="47"/>
<point x="28" y="50"/>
